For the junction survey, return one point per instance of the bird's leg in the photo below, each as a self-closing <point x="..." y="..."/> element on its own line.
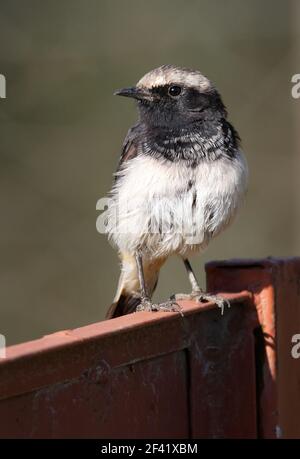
<point x="146" y="303"/>
<point x="196" y="290"/>
<point x="139" y="264"/>
<point x="197" y="293"/>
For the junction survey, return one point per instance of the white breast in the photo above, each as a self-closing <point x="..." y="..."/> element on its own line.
<point x="167" y="208"/>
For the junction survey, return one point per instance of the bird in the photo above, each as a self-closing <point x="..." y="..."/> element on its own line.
<point x="180" y="181"/>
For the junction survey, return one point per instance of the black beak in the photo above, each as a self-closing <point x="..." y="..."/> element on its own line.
<point x="135" y="93"/>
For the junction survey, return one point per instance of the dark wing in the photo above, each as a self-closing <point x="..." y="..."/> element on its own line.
<point x="130" y="145"/>
<point x="231" y="139"/>
<point x="129" y="149"/>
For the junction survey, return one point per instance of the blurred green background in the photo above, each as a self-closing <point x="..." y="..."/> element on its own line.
<point x="61" y="132"/>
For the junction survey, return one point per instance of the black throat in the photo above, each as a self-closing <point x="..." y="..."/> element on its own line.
<point x="203" y="140"/>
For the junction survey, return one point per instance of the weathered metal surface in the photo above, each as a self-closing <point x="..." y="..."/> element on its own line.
<point x="140" y="376"/>
<point x="165" y="376"/>
<point x="287" y="308"/>
<point x="275" y="286"/>
<point x="223" y="384"/>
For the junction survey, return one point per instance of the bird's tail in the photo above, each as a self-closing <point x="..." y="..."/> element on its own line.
<point x="128" y="295"/>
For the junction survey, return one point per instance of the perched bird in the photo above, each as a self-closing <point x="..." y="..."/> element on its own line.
<point x="180" y="181"/>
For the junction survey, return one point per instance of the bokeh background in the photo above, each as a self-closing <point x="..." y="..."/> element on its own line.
<point x="61" y="132"/>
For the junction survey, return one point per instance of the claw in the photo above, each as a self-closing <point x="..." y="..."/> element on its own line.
<point x="219" y="301"/>
<point x="201" y="296"/>
<point x="145" y="305"/>
<point x="169" y="306"/>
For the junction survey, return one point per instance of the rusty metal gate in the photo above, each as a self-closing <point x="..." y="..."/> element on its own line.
<point x="160" y="375"/>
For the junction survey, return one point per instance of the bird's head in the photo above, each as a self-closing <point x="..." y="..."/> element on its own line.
<point x="173" y="97"/>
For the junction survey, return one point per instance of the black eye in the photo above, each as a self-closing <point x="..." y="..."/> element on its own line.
<point x="174" y="91"/>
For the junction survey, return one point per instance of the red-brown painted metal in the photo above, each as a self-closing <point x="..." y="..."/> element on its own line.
<point x="140" y="376"/>
<point x="160" y="375"/>
<point x="275" y="285"/>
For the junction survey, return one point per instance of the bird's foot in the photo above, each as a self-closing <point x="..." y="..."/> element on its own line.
<point x="200" y="296"/>
<point x="168" y="306"/>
